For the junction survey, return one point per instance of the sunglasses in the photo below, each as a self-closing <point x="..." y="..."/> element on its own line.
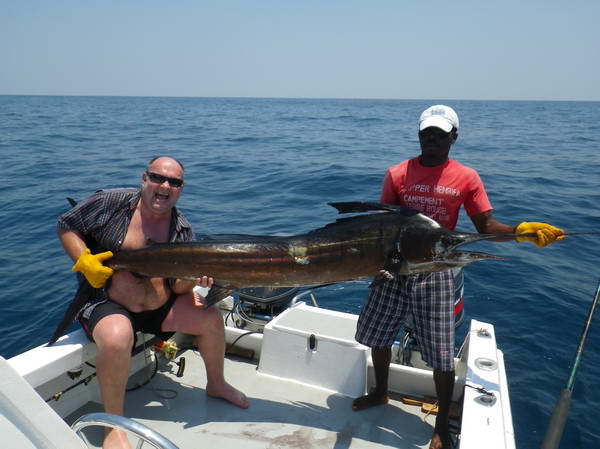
<point x="434" y="133"/>
<point x="160" y="179"/>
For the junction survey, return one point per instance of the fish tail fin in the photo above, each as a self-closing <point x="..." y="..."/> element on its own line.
<point x="77" y="303"/>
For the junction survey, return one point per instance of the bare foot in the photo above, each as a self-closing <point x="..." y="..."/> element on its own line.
<point x="228" y="393"/>
<point x="436" y="442"/>
<point x="440" y="440"/>
<point x="369" y="400"/>
<point x="116" y="439"/>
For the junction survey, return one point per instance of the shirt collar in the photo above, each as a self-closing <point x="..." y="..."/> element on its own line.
<point x="135" y="199"/>
<point x="179" y="220"/>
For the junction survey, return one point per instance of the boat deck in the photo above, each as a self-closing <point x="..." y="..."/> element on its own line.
<point x="282" y="413"/>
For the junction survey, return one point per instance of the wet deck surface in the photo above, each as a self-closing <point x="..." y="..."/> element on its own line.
<point x="282" y="414"/>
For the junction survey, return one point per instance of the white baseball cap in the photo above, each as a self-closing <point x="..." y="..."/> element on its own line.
<point x="440" y="116"/>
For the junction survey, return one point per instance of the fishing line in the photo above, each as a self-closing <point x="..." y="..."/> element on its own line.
<point x="579" y="233"/>
<point x="558" y="419"/>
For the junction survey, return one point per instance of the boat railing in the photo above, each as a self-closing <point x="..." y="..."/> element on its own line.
<point x="144" y="433"/>
<point x="302" y="295"/>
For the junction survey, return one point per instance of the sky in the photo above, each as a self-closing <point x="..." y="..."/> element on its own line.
<point x="401" y="49"/>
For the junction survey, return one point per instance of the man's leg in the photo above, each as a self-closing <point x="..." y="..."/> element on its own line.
<point x="433" y="307"/>
<point x="378" y="396"/>
<point x="207" y="325"/>
<point x="377" y="327"/>
<point x="114" y="338"/>
<point x="444" y="386"/>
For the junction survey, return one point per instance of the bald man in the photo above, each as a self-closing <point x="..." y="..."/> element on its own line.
<point x="119" y="304"/>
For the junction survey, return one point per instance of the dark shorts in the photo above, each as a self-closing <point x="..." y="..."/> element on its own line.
<point x="423" y="303"/>
<point x="148" y="322"/>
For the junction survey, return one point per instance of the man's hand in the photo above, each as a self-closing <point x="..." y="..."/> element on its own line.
<point x="546" y="234"/>
<point x="90" y="265"/>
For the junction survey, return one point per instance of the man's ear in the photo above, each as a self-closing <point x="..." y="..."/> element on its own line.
<point x="454" y="135"/>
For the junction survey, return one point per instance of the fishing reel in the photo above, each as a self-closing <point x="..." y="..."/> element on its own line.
<point x="168" y="349"/>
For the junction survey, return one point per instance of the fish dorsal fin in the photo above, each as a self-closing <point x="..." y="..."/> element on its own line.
<point x="358" y="206"/>
<point x="338" y="222"/>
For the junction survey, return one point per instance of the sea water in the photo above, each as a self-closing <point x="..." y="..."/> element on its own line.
<point x="270" y="166"/>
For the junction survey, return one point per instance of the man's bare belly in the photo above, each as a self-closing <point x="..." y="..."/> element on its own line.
<point x="138" y="295"/>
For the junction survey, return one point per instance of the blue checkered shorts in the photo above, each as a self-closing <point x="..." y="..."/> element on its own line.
<point x="421" y="302"/>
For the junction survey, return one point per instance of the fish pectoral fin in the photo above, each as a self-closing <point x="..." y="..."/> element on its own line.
<point x="381" y="277"/>
<point x="216" y="294"/>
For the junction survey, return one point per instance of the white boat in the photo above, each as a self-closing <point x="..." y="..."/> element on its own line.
<point x="300" y="369"/>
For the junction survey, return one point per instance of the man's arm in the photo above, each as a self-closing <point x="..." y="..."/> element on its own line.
<point x="181" y="286"/>
<point x="485" y="223"/>
<point x="72" y="242"/>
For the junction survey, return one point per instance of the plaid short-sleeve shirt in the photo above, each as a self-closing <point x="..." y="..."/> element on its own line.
<point x="103" y="219"/>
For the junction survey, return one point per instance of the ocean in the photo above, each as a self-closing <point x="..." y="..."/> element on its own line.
<point x="270" y="166"/>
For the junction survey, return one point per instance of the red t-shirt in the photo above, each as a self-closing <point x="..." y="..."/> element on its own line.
<point x="438" y="192"/>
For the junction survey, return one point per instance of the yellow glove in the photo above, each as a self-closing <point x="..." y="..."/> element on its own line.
<point x="546" y="233"/>
<point x="90" y="265"/>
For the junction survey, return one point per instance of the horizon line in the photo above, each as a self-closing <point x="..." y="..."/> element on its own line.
<point x="297" y="98"/>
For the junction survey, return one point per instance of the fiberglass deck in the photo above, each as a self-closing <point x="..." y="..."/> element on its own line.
<point x="282" y="413"/>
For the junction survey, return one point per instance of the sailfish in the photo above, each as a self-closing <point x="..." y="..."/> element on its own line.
<point x="377" y="246"/>
<point x="380" y="243"/>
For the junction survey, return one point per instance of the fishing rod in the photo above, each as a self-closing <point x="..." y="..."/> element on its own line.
<point x="533" y="234"/>
<point x="558" y="419"/>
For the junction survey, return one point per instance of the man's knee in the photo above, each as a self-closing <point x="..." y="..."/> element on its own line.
<point x="210" y="324"/>
<point x="213" y="319"/>
<point x="114" y="333"/>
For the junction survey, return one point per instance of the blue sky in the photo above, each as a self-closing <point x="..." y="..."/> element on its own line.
<point x="518" y="50"/>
